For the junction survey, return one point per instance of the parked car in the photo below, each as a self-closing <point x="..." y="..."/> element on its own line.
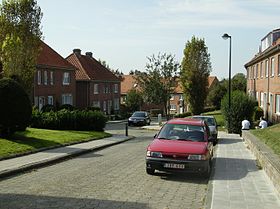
<point x="139" y="118"/>
<point x="212" y="124"/>
<point x="183" y="144"/>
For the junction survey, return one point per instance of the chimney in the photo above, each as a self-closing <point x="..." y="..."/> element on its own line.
<point x="89" y="54"/>
<point x="77" y="51"/>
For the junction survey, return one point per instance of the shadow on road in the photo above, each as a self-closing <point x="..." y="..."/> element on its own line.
<point x="40" y="201"/>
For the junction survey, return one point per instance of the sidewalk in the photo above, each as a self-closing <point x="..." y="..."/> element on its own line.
<point x="27" y="162"/>
<point x="237" y="182"/>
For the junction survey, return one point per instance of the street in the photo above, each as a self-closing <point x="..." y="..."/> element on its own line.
<point x="113" y="177"/>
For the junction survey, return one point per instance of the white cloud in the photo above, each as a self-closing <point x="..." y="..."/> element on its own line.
<point x="231" y="13"/>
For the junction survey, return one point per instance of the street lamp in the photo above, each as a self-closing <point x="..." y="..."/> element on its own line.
<point x="226" y="36"/>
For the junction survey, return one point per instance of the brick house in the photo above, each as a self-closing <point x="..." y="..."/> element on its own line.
<point x="263" y="76"/>
<point x="54" y="80"/>
<point x="177" y="104"/>
<point x="96" y="85"/>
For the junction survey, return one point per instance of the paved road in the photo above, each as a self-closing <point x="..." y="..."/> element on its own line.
<point x="114" y="177"/>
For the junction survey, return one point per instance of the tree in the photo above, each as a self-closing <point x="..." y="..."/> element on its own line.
<point x="242" y="107"/>
<point x="134" y="100"/>
<point x="196" y="68"/>
<point x="159" y="79"/>
<point x="15" y="107"/>
<point x="239" y="82"/>
<point x="216" y="94"/>
<point x="20" y="36"/>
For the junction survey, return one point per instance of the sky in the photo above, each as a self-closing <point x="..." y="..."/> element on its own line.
<point x="125" y="32"/>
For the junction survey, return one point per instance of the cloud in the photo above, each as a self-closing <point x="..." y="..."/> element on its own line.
<point x="233" y="13"/>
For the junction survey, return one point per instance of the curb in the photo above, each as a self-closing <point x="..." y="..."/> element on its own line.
<point x="50" y="161"/>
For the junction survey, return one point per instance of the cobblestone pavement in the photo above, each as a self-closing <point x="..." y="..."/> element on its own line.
<point x="114" y="177"/>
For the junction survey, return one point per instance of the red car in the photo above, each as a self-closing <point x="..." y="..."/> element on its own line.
<point x="183" y="144"/>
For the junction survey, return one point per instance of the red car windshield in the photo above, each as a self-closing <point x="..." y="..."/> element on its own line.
<point x="182" y="132"/>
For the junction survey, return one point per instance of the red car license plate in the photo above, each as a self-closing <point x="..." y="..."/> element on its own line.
<point x="172" y="165"/>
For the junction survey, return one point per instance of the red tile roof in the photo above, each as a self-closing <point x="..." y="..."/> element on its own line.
<point x="129" y="82"/>
<point x="50" y="58"/>
<point x="90" y="69"/>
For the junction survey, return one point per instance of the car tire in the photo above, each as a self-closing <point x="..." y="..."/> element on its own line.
<point x="150" y="171"/>
<point x="207" y="172"/>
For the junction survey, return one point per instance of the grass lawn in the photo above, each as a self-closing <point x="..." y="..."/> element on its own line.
<point x="270" y="136"/>
<point x="219" y="118"/>
<point x="33" y="139"/>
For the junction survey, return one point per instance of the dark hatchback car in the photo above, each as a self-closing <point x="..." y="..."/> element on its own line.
<point x="183" y="144"/>
<point x="139" y="118"/>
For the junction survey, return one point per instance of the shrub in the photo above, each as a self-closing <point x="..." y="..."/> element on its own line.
<point x="258" y="112"/>
<point x="155" y="112"/>
<point x="48" y="108"/>
<point x="242" y="107"/>
<point x="15" y="107"/>
<point x="67" y="107"/>
<point x="64" y="119"/>
<point x="93" y="108"/>
<point x="183" y="115"/>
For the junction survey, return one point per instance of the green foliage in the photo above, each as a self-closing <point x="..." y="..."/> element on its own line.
<point x="258" y="112"/>
<point x="134" y="100"/>
<point x="83" y="120"/>
<point x="15" y="107"/>
<point x="158" y="81"/>
<point x="20" y="35"/>
<point x="242" y="107"/>
<point x="67" y="107"/>
<point x="155" y="112"/>
<point x="48" y="108"/>
<point x="239" y="82"/>
<point x="33" y="139"/>
<point x="196" y="67"/>
<point x="94" y="108"/>
<point x="216" y="94"/>
<point x="183" y="115"/>
<point x="269" y="136"/>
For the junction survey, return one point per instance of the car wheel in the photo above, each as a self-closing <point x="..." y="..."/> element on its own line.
<point x="150" y="171"/>
<point x="207" y="172"/>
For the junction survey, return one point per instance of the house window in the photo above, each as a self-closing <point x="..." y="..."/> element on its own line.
<point x="266" y="68"/>
<point x="172" y="107"/>
<point x="51" y="77"/>
<point x="264" y="101"/>
<point x="50" y="100"/>
<point x="96" y="104"/>
<point x="104" y="106"/>
<point x="67" y="99"/>
<point x="45" y="77"/>
<point x="172" y="97"/>
<point x="261" y="103"/>
<point x="116" y="104"/>
<point x="254" y="70"/>
<point x="95" y="88"/>
<point x="116" y="88"/>
<point x="272" y="67"/>
<point x="39" y="77"/>
<point x="261" y="70"/>
<point x="66" y="78"/>
<point x="277" y="108"/>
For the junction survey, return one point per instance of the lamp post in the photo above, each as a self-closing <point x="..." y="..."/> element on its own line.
<point x="226" y="36"/>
